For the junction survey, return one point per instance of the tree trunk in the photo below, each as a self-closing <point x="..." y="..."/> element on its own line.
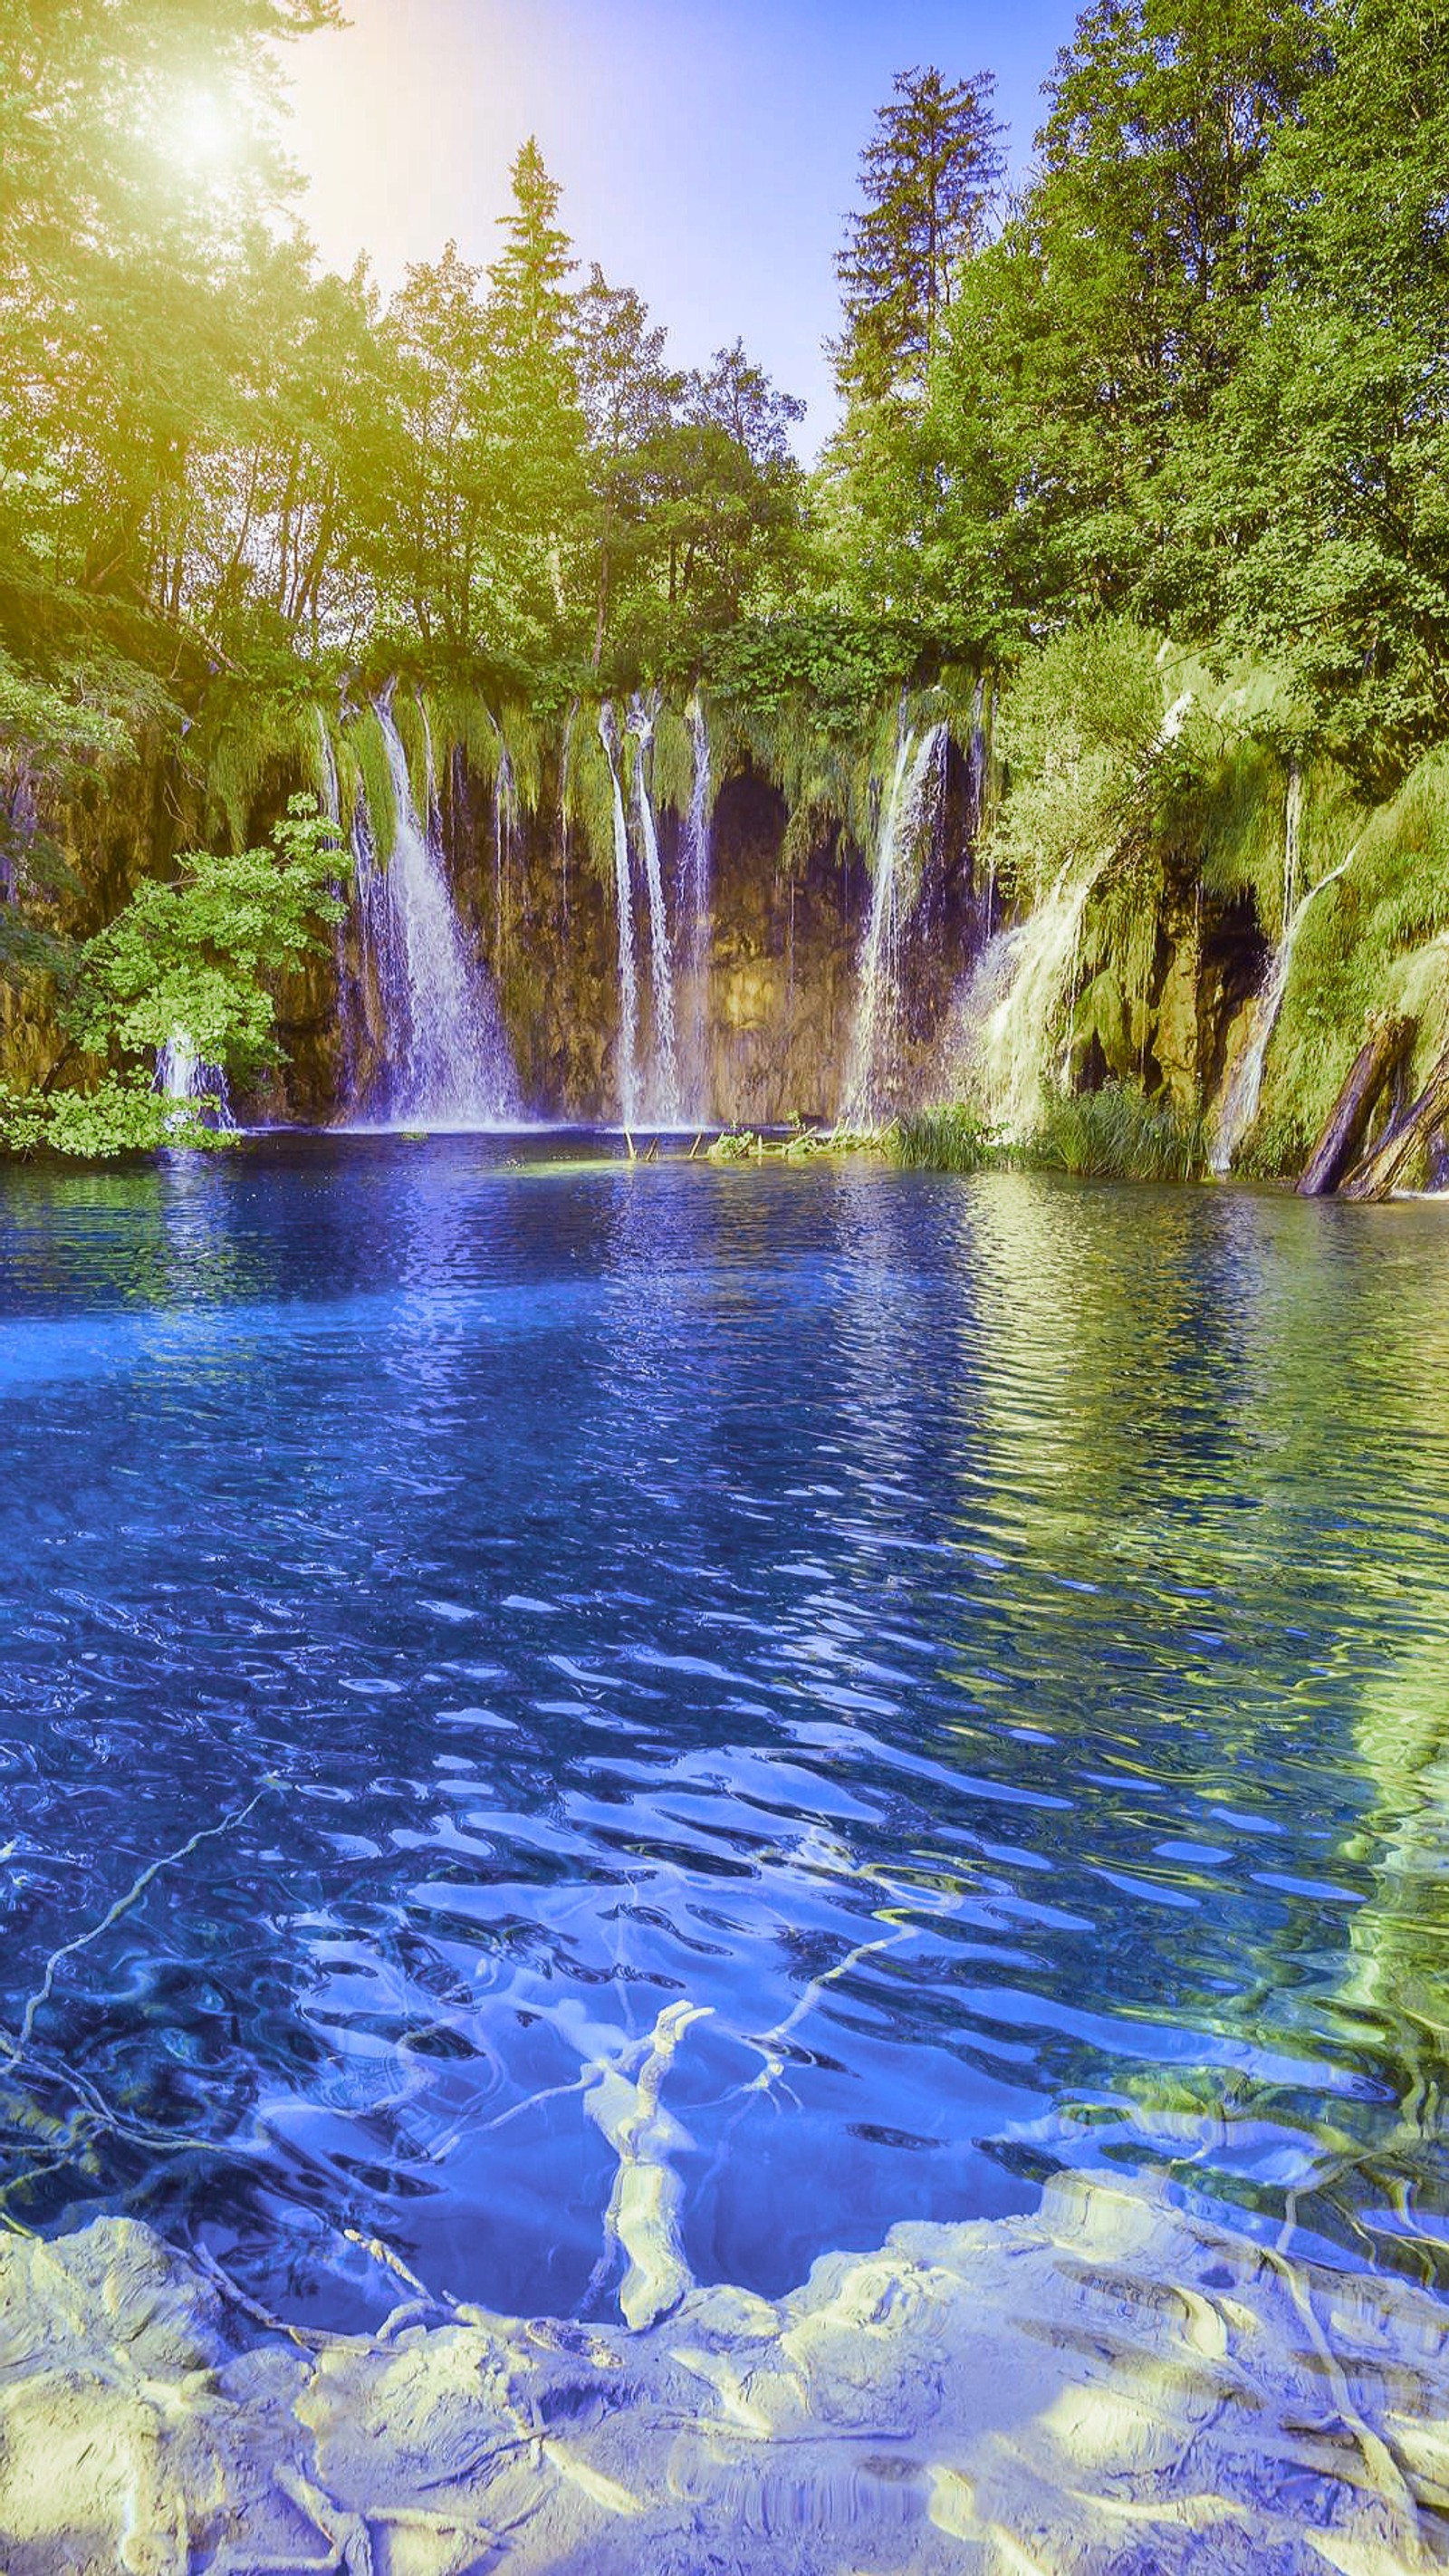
<point x="1338" y="1147"/>
<point x="1376" y="1174"/>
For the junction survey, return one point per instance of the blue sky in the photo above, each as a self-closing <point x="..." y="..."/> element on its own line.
<point x="707" y="152"/>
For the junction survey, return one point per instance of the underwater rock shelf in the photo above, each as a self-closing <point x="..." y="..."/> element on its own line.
<point x="1111" y="2385"/>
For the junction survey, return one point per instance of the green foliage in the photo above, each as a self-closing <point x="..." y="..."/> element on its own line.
<point x="190" y="958"/>
<point x="589" y="792"/>
<point x="950" y="1139"/>
<point x="1079" y="730"/>
<point x="1116" y="1134"/>
<point x="841" y="667"/>
<point x="366" y="745"/>
<point x="928" y="176"/>
<point x="1376" y="939"/>
<point x="250" y="742"/>
<point x="123" y="1114"/>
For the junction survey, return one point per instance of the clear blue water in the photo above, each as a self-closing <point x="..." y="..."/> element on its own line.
<point x="986" y="1640"/>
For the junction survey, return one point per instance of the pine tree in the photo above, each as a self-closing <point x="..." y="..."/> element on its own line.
<point x="533" y="413"/>
<point x="928" y="176"/>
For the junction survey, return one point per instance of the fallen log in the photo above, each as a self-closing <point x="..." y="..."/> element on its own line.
<point x="1377" y="1174"/>
<point x="1338" y="1147"/>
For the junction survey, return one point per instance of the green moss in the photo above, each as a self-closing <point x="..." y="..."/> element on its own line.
<point x="412" y="733"/>
<point x="462" y="722"/>
<point x="522" y="736"/>
<point x="589" y="794"/>
<point x="672" y="777"/>
<point x="1377" y="939"/>
<point x="363" y="740"/>
<point x="249" y="742"/>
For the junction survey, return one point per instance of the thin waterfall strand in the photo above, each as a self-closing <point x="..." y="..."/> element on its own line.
<point x="662" y="1104"/>
<point x="1239" y="1105"/>
<point x="696" y="923"/>
<point x="914" y="791"/>
<point x="628" y="1075"/>
<point x="181" y="1076"/>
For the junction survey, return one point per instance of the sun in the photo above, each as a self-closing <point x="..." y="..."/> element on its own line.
<point x="202" y="131"/>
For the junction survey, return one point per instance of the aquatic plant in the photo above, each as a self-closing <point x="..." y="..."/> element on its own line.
<point x="949" y="1139"/>
<point x="1116" y="1134"/>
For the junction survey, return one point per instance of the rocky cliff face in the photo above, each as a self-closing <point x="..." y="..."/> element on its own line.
<point x="781" y="963"/>
<point x="775" y="1003"/>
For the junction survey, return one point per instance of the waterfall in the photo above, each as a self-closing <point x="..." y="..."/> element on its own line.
<point x="1292" y="833"/>
<point x="694" y="916"/>
<point x="446" y="1063"/>
<point x="1010" y="1004"/>
<point x="662" y="1089"/>
<point x="331" y="798"/>
<point x="873" y="1067"/>
<point x="505" y="820"/>
<point x="1241" y="1094"/>
<point x="976" y="763"/>
<point x="624" y="910"/>
<point x="181" y="1076"/>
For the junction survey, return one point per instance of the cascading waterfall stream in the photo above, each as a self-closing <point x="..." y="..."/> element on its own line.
<point x="181" y="1076"/>
<point x="1239" y="1105"/>
<point x="662" y="1085"/>
<point x="505" y="823"/>
<point x="446" y="1061"/>
<point x="628" y="1078"/>
<point x="695" y="897"/>
<point x="1011" y="1056"/>
<point x="913" y="794"/>
<point x="1011" y="1001"/>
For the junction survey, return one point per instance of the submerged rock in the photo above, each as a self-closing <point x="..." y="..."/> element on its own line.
<point x="1112" y="2387"/>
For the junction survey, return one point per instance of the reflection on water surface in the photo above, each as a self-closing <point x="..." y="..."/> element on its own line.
<point x="987" y="1641"/>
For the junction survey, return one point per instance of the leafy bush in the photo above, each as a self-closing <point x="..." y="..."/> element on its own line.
<point x="124" y="1114"/>
<point x="191" y="956"/>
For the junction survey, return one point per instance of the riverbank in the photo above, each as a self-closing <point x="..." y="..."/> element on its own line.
<point x="1115" y="2386"/>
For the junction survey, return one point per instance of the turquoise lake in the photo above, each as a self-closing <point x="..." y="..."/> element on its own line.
<point x="985" y="1641"/>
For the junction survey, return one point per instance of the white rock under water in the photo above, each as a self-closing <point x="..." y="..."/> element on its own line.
<point x="1108" y="2388"/>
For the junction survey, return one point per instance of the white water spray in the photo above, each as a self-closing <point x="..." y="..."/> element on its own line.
<point x="662" y="1101"/>
<point x="1239" y="1104"/>
<point x="696" y="925"/>
<point x="181" y="1076"/>
<point x="628" y="1077"/>
<point x="447" y="1064"/>
<point x="1011" y="1002"/>
<point x="872" y="1074"/>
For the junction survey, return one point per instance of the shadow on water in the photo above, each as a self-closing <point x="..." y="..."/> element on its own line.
<point x="985" y="1641"/>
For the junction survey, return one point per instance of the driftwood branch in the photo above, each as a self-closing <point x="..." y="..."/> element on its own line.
<point x="1379" y="1171"/>
<point x="1338" y="1147"/>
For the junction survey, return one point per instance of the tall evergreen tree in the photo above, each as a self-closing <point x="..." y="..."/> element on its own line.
<point x="534" y="413"/>
<point x="928" y="177"/>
